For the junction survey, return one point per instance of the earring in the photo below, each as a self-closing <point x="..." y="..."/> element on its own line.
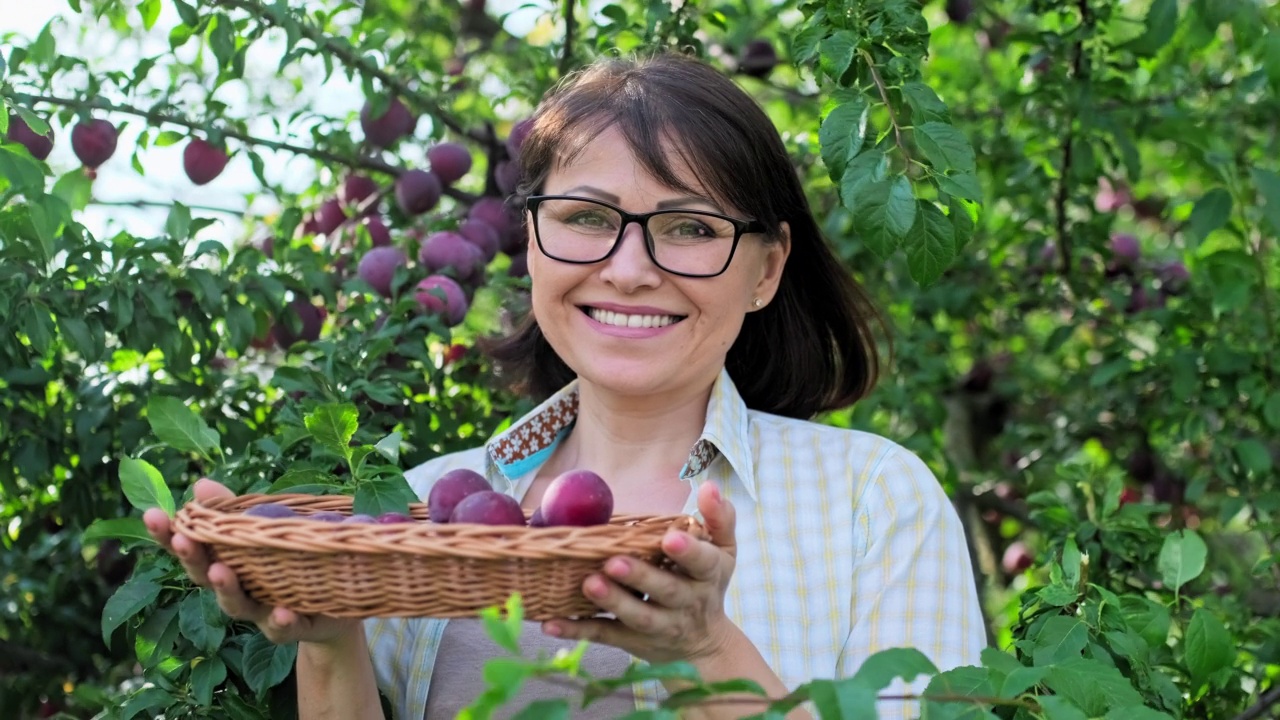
<point x="758" y="303"/>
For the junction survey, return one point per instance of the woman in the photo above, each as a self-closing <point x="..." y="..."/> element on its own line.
<point x="687" y="319"/>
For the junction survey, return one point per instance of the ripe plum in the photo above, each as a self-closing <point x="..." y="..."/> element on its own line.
<point x="451" y="489"/>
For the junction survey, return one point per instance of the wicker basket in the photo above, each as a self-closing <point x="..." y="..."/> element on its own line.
<point x="419" y="569"/>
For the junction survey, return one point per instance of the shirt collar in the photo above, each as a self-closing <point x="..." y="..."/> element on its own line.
<point x="530" y="440"/>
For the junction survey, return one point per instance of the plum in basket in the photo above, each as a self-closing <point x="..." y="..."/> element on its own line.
<point x="488" y="508"/>
<point x="271" y="510"/>
<point x="360" y="518"/>
<point x="450" y="490"/>
<point x="578" y="497"/>
<point x="327" y="516"/>
<point x="390" y="518"/>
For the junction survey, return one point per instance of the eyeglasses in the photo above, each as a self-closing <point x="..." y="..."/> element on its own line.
<point x="691" y="243"/>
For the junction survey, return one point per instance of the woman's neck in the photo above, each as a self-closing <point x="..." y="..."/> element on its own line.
<point x="629" y="442"/>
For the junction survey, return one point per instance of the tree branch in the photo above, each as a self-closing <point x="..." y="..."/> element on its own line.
<point x="1268" y="700"/>
<point x="159" y="204"/>
<point x="884" y="96"/>
<point x="271" y="15"/>
<point x="570" y="24"/>
<point x="157" y="117"/>
<point x="1078" y="73"/>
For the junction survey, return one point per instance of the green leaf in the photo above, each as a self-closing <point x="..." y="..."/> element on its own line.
<point x="1147" y="618"/>
<point x="202" y="621"/>
<point x="1136" y="712"/>
<point x="931" y="244"/>
<point x="1091" y="685"/>
<point x="958" y="682"/>
<point x="1269" y="186"/>
<point x="1182" y="558"/>
<point x="1056" y="708"/>
<point x="1161" y="22"/>
<point x="885" y="213"/>
<point x="925" y="104"/>
<point x="837" y="51"/>
<point x="1254" y="456"/>
<point x="389" y="447"/>
<point x="1060" y="638"/>
<point x="130" y="528"/>
<point x="962" y="185"/>
<point x="20" y="169"/>
<point x="144" y="487"/>
<point x="805" y="44"/>
<point x="155" y="636"/>
<point x="882" y="667"/>
<point x="1208" y="646"/>
<point x="1271" y="411"/>
<point x="147" y="700"/>
<point x="1071" y="559"/>
<point x="206" y="675"/>
<point x="841" y="135"/>
<point x="1022" y="680"/>
<point x="267" y="664"/>
<point x="150" y="11"/>
<point x="74" y="188"/>
<point x="868" y="167"/>
<point x="128" y="600"/>
<point x="179" y="427"/>
<point x="384" y="495"/>
<point x="838" y="699"/>
<point x="187" y="13"/>
<point x="1211" y="212"/>
<point x="557" y="709"/>
<point x="305" y="480"/>
<point x="333" y="425"/>
<point x="946" y="148"/>
<point x="178" y="224"/>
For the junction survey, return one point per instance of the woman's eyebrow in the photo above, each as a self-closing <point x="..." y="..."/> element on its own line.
<point x="662" y="205"/>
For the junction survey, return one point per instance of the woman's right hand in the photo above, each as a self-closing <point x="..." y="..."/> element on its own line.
<point x="279" y="625"/>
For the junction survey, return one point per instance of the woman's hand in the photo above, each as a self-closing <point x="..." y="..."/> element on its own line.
<point x="684" y="617"/>
<point x="279" y="625"/>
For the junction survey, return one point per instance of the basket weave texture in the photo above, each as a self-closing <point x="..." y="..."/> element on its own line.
<point x="418" y="569"/>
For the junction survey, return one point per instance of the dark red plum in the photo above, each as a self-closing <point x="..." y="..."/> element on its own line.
<point x="451" y="489"/>
<point x="378" y="268"/>
<point x="329" y="216"/>
<point x="453" y="308"/>
<point x="482" y="235"/>
<point x="578" y="497"/>
<point x="493" y="211"/>
<point x="488" y="507"/>
<point x="452" y="251"/>
<point x="271" y="510"/>
<point x="507" y="175"/>
<point x="38" y="145"/>
<point x="203" y="161"/>
<point x="758" y="59"/>
<point x="536" y="519"/>
<point x="356" y="189"/>
<point x="417" y="191"/>
<point x="94" y="142"/>
<point x="519" y="132"/>
<point x="449" y="161"/>
<point x="386" y="129"/>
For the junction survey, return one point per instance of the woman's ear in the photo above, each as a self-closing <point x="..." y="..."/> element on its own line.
<point x="775" y="260"/>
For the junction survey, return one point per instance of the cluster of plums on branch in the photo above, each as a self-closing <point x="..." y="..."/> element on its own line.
<point x="578" y="498"/>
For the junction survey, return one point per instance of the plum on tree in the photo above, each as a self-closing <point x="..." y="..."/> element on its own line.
<point x="1125" y="250"/>
<point x="450" y="489"/>
<point x="1016" y="558"/>
<point x="488" y="507"/>
<point x="960" y="11"/>
<point x="329" y="216"/>
<point x="453" y="308"/>
<point x="515" y="139"/>
<point x="355" y="190"/>
<point x="507" y="176"/>
<point x="449" y="161"/>
<point x="203" y="161"/>
<point x="38" y="145"/>
<point x="417" y="191"/>
<point x="483" y="236"/>
<point x="386" y="129"/>
<point x="379" y="235"/>
<point x="378" y="268"/>
<point x="758" y="58"/>
<point x="1111" y="197"/>
<point x="519" y="267"/>
<point x="311" y="318"/>
<point x="447" y="250"/>
<point x="493" y="210"/>
<point x="94" y="141"/>
<point x="577" y="497"/>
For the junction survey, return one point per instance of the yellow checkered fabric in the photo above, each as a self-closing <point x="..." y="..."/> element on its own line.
<point x="847" y="545"/>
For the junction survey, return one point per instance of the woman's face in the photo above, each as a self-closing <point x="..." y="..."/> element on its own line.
<point x="691" y="322"/>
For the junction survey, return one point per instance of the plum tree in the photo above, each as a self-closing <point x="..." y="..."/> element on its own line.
<point x="488" y="507"/>
<point x="577" y="497"/>
<point x="378" y="267"/>
<point x="450" y="489"/>
<point x="417" y="191"/>
<point x="38" y="145"/>
<point x="386" y="129"/>
<point x="758" y="58"/>
<point x="203" y="161"/>
<point x="448" y="251"/>
<point x="329" y="216"/>
<point x="449" y="161"/>
<point x="1125" y="251"/>
<point x="94" y="141"/>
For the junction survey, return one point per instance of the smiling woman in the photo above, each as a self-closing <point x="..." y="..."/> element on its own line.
<point x="687" y="321"/>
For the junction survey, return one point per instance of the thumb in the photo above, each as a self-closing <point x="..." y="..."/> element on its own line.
<point x="207" y="489"/>
<point x="719" y="516"/>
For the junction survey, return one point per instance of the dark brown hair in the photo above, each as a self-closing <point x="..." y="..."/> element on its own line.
<point x="811" y="349"/>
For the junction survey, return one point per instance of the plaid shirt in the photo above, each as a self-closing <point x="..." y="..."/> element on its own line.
<point x="847" y="545"/>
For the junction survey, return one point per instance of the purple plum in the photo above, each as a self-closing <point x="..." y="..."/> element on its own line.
<point x="451" y="489"/>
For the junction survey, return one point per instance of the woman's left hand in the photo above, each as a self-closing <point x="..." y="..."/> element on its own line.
<point x="683" y="618"/>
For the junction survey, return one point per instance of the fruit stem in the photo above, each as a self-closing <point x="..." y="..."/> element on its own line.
<point x="884" y="97"/>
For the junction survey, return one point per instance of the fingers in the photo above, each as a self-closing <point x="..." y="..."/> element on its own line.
<point x="193" y="558"/>
<point x="719" y="516"/>
<point x="206" y="490"/>
<point x="662" y="587"/>
<point x="607" y="632"/>
<point x="232" y="598"/>
<point x="157" y="522"/>
<point x="699" y="559"/>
